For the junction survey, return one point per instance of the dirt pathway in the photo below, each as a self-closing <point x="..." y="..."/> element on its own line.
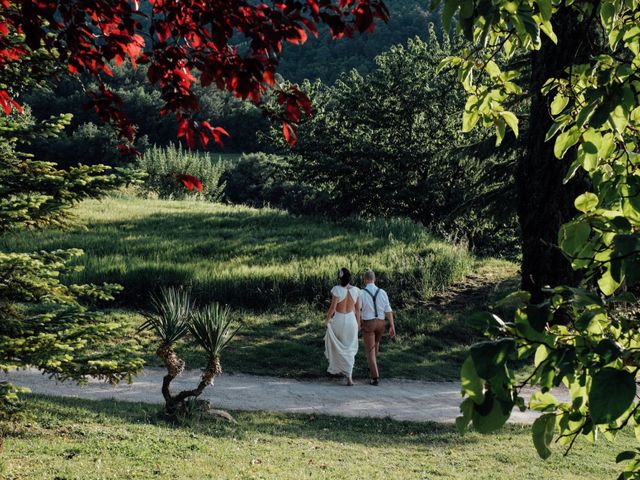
<point x="397" y="399"/>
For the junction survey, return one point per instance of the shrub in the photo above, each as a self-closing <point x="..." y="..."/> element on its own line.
<point x="260" y="180"/>
<point x="162" y="163"/>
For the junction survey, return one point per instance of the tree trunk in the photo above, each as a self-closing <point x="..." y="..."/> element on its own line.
<point x="544" y="203"/>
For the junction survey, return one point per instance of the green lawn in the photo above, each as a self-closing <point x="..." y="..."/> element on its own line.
<point x="84" y="440"/>
<point x="276" y="270"/>
<point x="252" y="258"/>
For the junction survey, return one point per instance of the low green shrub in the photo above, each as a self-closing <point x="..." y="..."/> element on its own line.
<point x="161" y="164"/>
<point x="261" y="180"/>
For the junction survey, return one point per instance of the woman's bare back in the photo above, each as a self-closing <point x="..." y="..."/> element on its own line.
<point x="347" y="305"/>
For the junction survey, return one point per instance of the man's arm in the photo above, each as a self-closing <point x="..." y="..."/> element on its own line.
<point x="392" y="327"/>
<point x="388" y="313"/>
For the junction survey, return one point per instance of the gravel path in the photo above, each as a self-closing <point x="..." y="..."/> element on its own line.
<point x="397" y="399"/>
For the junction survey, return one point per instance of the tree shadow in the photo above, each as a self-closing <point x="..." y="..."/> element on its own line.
<point x="243" y="258"/>
<point x="54" y="412"/>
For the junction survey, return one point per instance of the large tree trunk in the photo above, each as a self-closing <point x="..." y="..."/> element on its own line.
<point x="544" y="203"/>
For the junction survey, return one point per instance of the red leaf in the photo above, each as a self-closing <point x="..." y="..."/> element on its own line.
<point x="292" y="112"/>
<point x="289" y="134"/>
<point x="269" y="77"/>
<point x="183" y="126"/>
<point x="315" y="8"/>
<point x="297" y="35"/>
<point x="191" y="138"/>
<point x="190" y="182"/>
<point x="7" y="103"/>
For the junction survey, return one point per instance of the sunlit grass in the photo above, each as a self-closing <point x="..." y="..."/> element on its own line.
<point x="252" y="258"/>
<point x="78" y="439"/>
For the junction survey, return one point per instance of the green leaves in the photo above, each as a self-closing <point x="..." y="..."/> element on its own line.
<point x="542" y="432"/>
<point x="576" y="336"/>
<point x="573" y="237"/>
<point x="490" y="415"/>
<point x="489" y="357"/>
<point x="611" y="394"/>
<point x="565" y="141"/>
<point x="586" y="202"/>
<point x="472" y="384"/>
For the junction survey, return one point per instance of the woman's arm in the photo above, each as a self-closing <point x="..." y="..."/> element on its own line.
<point x="358" y="306"/>
<point x="332" y="310"/>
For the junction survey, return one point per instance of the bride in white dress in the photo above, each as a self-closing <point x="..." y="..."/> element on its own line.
<point x="342" y="324"/>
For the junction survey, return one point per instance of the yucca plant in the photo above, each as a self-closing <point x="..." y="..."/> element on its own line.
<point x="170" y="321"/>
<point x="212" y="328"/>
<point x="173" y="318"/>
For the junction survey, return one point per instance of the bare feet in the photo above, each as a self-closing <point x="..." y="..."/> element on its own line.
<point x="349" y="382"/>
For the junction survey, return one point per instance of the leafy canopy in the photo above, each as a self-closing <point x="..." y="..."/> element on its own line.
<point x="177" y="39"/>
<point x="585" y="338"/>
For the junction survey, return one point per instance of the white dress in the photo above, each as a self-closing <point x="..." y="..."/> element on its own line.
<point x="341" y="337"/>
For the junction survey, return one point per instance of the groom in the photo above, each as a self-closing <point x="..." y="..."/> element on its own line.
<point x="375" y="308"/>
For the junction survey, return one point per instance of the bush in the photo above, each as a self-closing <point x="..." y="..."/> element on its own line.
<point x="88" y="144"/>
<point x="162" y="163"/>
<point x="261" y="180"/>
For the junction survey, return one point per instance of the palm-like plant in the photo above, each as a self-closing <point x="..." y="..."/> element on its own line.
<point x="212" y="328"/>
<point x="170" y="321"/>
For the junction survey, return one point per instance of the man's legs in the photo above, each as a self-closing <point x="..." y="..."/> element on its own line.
<point x="372" y="331"/>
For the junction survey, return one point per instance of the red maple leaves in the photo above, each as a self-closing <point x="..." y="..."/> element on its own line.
<point x="190" y="182"/>
<point x="182" y="41"/>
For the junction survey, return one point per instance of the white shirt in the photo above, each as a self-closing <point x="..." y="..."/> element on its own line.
<point x="366" y="302"/>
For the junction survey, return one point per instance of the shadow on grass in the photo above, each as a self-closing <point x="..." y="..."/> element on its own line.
<point x="242" y="257"/>
<point x="290" y="344"/>
<point x="55" y="412"/>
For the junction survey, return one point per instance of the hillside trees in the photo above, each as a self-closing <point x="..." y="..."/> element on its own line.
<point x="389" y="144"/>
<point x="585" y="338"/>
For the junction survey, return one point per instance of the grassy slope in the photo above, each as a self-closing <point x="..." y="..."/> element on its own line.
<point x="243" y="256"/>
<point x="76" y="439"/>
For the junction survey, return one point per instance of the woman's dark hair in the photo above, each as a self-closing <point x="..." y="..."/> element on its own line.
<point x="344" y="276"/>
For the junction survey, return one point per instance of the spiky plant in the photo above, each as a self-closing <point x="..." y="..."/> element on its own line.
<point x="212" y="328"/>
<point x="170" y="321"/>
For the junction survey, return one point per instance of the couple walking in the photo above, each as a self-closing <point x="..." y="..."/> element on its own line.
<point x="353" y="310"/>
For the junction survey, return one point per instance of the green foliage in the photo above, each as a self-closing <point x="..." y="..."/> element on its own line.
<point x="212" y="328"/>
<point x="160" y="164"/>
<point x="587" y="338"/>
<point x="170" y="320"/>
<point x="388" y="144"/>
<point x="44" y="322"/>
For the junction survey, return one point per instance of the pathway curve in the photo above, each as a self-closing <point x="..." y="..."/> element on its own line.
<point x="397" y="399"/>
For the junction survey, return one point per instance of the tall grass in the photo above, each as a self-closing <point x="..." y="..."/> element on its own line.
<point x="161" y="163"/>
<point x="253" y="258"/>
